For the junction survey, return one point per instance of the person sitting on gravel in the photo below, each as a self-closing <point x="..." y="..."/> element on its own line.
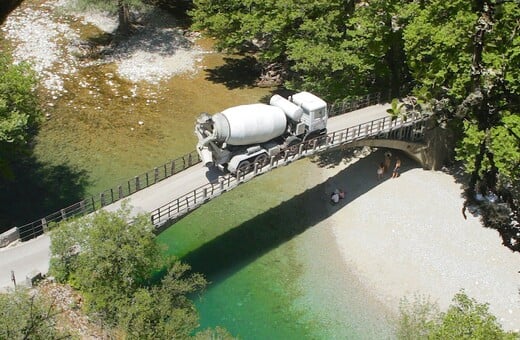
<point x="336" y="196"/>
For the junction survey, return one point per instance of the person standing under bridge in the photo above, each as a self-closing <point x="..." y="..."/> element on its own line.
<point x="397" y="167"/>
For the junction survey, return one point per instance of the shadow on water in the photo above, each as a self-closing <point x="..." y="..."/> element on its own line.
<point x="238" y="247"/>
<point x="235" y="73"/>
<point x="38" y="189"/>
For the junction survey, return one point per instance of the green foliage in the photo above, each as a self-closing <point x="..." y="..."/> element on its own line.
<point x="438" y="45"/>
<point x="469" y="147"/>
<point x="395" y="110"/>
<point x="164" y="312"/>
<point x="64" y="248"/>
<point x="502" y="141"/>
<point x="24" y="315"/>
<point x="417" y="318"/>
<point x="505" y="145"/>
<point x="18" y="102"/>
<point x="19" y="111"/>
<point x="327" y="46"/>
<point x="468" y="319"/>
<point x="465" y="55"/>
<point x="114" y="263"/>
<point x="464" y="319"/>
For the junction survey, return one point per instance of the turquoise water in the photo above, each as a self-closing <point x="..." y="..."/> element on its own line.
<point x="242" y="244"/>
<point x="269" y="277"/>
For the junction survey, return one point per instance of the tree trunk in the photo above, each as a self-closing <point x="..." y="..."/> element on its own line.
<point x="124" y="17"/>
<point x="482" y="114"/>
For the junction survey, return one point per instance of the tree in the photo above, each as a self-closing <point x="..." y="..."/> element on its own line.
<point x="121" y="7"/>
<point x="25" y="315"/>
<point x="466" y="55"/>
<point x="115" y="264"/>
<point x="338" y="48"/>
<point x="464" y="319"/>
<point x="395" y="110"/>
<point x="417" y="318"/>
<point x="19" y="112"/>
<point x="163" y="311"/>
<point x="304" y="38"/>
<point x="465" y="58"/>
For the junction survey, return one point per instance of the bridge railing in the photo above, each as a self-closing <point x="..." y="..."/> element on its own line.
<point x="93" y="203"/>
<point x="147" y="179"/>
<point x="142" y="181"/>
<point x="410" y="129"/>
<point x="348" y="105"/>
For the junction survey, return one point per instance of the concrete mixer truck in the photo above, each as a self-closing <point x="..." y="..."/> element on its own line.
<point x="240" y="136"/>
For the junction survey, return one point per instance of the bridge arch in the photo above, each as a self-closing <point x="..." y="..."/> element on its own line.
<point x="417" y="151"/>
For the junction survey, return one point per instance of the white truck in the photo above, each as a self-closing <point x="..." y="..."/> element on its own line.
<point x="240" y="136"/>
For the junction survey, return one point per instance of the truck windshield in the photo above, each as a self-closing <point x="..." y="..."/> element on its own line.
<point x="319" y="113"/>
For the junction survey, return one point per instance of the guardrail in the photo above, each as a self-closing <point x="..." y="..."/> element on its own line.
<point x="409" y="130"/>
<point x="93" y="203"/>
<point x="109" y="196"/>
<point x="352" y="104"/>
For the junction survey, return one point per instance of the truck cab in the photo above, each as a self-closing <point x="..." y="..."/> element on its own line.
<point x="314" y="111"/>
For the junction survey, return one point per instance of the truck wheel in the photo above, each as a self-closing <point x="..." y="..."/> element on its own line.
<point x="261" y="160"/>
<point x="244" y="167"/>
<point x="293" y="144"/>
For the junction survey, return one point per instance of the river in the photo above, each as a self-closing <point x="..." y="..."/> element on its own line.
<point x="273" y="270"/>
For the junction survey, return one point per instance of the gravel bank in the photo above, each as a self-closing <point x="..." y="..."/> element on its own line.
<point x="407" y="236"/>
<point x="44" y="38"/>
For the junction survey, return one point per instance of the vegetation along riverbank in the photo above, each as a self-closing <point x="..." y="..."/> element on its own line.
<point x="89" y="98"/>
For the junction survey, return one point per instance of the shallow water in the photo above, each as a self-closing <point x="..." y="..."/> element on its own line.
<point x="274" y="272"/>
<point x="96" y="125"/>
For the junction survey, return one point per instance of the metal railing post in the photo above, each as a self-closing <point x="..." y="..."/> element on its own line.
<point x="137" y="183"/>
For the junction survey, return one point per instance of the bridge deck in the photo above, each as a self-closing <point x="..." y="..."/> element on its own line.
<point x="34" y="255"/>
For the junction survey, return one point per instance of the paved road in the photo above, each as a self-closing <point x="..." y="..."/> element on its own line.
<point x="34" y="255"/>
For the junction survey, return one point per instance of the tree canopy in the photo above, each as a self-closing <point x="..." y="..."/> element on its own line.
<point x="19" y="111"/>
<point x="465" y="318"/>
<point x="25" y="315"/>
<point x="117" y="266"/>
<point x="331" y="47"/>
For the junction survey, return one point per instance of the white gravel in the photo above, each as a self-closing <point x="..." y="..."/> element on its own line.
<point x="43" y="42"/>
<point x="407" y="236"/>
<point x="42" y="37"/>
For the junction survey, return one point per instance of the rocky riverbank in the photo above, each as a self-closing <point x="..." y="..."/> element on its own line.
<point x="406" y="236"/>
<point x="42" y="36"/>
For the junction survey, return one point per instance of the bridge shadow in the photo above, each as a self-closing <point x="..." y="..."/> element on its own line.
<point x="236" y="248"/>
